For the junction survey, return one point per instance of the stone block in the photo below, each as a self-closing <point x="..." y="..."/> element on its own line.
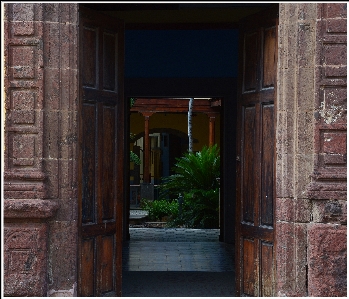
<point x="330" y="211"/>
<point x="336" y="26"/>
<point x="68" y="209"/>
<point x="284" y="209"/>
<point x="305" y="131"/>
<point x="305" y="89"/>
<point x="22" y="61"/>
<point x="62" y="266"/>
<point x="52" y="135"/>
<point x="51" y="169"/>
<point x="306" y="45"/>
<point x="307" y="11"/>
<point x="336" y="10"/>
<point x="302" y="210"/>
<point x="290" y="259"/>
<point x="52" y="44"/>
<point x="293" y="210"/>
<point x="52" y="89"/>
<point x="334" y="53"/>
<point x="68" y="179"/>
<point x="335" y="142"/>
<point x="305" y="168"/>
<point x="22" y="12"/>
<point x="327" y="260"/>
<point x="23" y="150"/>
<point x="25" y="247"/>
<point x="67" y="139"/>
<point x="51" y="12"/>
<point x="301" y="282"/>
<point x="335" y="71"/>
<point x="23" y="28"/>
<point x="69" y="97"/>
<point x="68" y="45"/>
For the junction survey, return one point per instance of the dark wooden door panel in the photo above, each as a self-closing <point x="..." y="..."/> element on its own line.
<point x="87" y="273"/>
<point x="256" y="155"/>
<point x="269" y="57"/>
<point x="267" y="269"/>
<point x="267" y="165"/>
<point x="250" y="279"/>
<point x="88" y="163"/>
<point x="249" y="187"/>
<point x="250" y="70"/>
<point x="101" y="126"/>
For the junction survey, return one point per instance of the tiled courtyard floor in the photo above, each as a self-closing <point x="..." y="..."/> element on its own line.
<point x="179" y="262"/>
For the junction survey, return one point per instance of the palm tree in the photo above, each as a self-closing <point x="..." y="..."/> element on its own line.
<point x="196" y="178"/>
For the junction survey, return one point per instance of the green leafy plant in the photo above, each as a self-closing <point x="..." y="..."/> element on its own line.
<point x="196" y="178"/>
<point x="134" y="158"/>
<point x="201" y="209"/>
<point x="198" y="170"/>
<point x="160" y="208"/>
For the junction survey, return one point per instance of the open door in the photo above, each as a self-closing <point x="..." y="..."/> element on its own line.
<point x="255" y="256"/>
<point x="101" y="154"/>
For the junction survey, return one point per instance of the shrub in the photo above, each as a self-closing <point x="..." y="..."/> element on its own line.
<point x="196" y="178"/>
<point x="160" y="208"/>
<point x="194" y="171"/>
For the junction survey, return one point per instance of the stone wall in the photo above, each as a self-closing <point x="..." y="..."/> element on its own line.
<point x="41" y="85"/>
<point x="311" y="151"/>
<point x="327" y="234"/>
<point x="40" y="163"/>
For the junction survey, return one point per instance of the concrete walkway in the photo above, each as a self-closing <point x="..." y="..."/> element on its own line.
<point x="168" y="262"/>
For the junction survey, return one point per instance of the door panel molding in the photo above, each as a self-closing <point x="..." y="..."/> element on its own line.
<point x="101" y="142"/>
<point x="255" y="250"/>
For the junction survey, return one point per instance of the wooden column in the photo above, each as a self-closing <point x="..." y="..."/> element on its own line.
<point x="211" y="136"/>
<point x="146" y="148"/>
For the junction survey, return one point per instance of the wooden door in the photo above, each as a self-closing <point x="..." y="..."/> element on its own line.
<point x="101" y="155"/>
<point x="255" y="257"/>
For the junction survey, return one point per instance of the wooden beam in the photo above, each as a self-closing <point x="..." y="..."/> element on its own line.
<point x="173" y="105"/>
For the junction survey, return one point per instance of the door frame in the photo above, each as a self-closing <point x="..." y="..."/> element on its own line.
<point x="224" y="174"/>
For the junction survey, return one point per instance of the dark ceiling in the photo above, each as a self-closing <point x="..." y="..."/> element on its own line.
<point x="141" y="15"/>
<point x="172" y="6"/>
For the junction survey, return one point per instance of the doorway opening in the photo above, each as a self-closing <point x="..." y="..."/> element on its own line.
<point x="161" y="251"/>
<point x="156" y="256"/>
<point x="159" y="84"/>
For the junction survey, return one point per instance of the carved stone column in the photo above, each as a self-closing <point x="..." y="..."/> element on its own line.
<point x="311" y="151"/>
<point x="40" y="85"/>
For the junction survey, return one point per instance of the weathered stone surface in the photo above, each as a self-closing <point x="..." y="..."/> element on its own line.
<point x="40" y="82"/>
<point x="29" y="208"/>
<point x="291" y="259"/>
<point x="293" y="210"/>
<point x="327" y="260"/>
<point x="25" y="250"/>
<point x="62" y="262"/>
<point x="330" y="211"/>
<point x="310" y="143"/>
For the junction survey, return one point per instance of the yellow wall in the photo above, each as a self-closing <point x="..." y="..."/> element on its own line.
<point x="200" y="125"/>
